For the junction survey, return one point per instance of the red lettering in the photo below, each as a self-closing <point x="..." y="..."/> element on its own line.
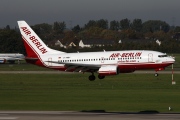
<point x="117" y="55"/>
<point x="37" y="44"/>
<point x="114" y="55"/>
<point x="43" y="50"/>
<point x="127" y="55"/>
<point x="123" y="55"/>
<point x="26" y="31"/>
<point x="35" y="40"/>
<point x="24" y="28"/>
<point x="131" y="55"/>
<point x="140" y="54"/>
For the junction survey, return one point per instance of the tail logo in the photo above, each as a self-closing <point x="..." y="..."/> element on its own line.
<point x="34" y="40"/>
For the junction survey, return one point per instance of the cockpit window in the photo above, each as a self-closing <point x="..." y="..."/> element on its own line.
<point x="162" y="55"/>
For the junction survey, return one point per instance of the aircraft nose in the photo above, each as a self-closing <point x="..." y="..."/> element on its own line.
<point x="172" y="59"/>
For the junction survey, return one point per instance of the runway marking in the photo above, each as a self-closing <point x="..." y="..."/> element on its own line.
<point x="8" y="118"/>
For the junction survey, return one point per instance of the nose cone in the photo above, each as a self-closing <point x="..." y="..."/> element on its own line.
<point x="22" y="56"/>
<point x="171" y="59"/>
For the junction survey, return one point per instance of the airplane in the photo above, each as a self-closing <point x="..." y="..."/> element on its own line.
<point x="10" y="57"/>
<point x="104" y="63"/>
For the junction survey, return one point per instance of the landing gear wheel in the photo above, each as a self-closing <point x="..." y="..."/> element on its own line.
<point x="92" y="77"/>
<point x="156" y="74"/>
<point x="101" y="77"/>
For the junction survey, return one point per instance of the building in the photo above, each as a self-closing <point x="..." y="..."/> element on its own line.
<point x="58" y="43"/>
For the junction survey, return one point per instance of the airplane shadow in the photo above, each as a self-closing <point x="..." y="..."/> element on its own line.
<point x="140" y="112"/>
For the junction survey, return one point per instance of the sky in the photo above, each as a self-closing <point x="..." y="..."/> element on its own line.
<point x="79" y="12"/>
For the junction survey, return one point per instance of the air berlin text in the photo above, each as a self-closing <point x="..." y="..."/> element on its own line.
<point x="34" y="40"/>
<point x="132" y="54"/>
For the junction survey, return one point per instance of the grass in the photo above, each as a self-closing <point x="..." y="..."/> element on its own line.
<point x="177" y="63"/>
<point x="125" y="92"/>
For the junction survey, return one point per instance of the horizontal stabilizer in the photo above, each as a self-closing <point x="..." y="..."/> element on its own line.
<point x="30" y="58"/>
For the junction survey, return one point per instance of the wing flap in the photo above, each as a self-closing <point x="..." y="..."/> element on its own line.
<point x="78" y="67"/>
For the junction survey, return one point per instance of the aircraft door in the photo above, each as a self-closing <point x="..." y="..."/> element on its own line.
<point x="49" y="62"/>
<point x="150" y="57"/>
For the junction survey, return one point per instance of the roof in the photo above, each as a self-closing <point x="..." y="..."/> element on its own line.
<point x="137" y="40"/>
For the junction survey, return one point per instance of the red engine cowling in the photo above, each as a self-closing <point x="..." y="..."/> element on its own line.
<point x="108" y="70"/>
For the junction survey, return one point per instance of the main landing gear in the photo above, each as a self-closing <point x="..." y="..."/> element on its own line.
<point x="101" y="77"/>
<point x="93" y="77"/>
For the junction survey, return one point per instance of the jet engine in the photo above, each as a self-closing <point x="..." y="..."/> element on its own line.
<point x="108" y="70"/>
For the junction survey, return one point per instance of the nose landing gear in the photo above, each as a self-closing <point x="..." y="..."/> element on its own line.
<point x="156" y="74"/>
<point x="158" y="69"/>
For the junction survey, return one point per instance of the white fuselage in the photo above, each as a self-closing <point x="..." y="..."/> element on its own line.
<point x="125" y="60"/>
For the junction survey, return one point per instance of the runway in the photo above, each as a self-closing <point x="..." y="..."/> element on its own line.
<point x="71" y="115"/>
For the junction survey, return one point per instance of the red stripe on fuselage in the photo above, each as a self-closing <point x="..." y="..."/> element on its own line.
<point x="142" y="66"/>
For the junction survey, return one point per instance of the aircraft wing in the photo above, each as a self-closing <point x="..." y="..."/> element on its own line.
<point x="11" y="58"/>
<point x="78" y="67"/>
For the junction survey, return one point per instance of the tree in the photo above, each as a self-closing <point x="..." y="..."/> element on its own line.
<point x="76" y="29"/>
<point x="136" y="25"/>
<point x="102" y="24"/>
<point x="59" y="27"/>
<point x="155" y="25"/>
<point x="161" y="35"/>
<point x="94" y="32"/>
<point x="177" y="29"/>
<point x="42" y="28"/>
<point x="128" y="34"/>
<point x="114" y="25"/>
<point x="69" y="37"/>
<point x="124" y="24"/>
<point x="7" y="27"/>
<point x="11" y="42"/>
<point x="109" y="34"/>
<point x="99" y="23"/>
<point x="91" y="23"/>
